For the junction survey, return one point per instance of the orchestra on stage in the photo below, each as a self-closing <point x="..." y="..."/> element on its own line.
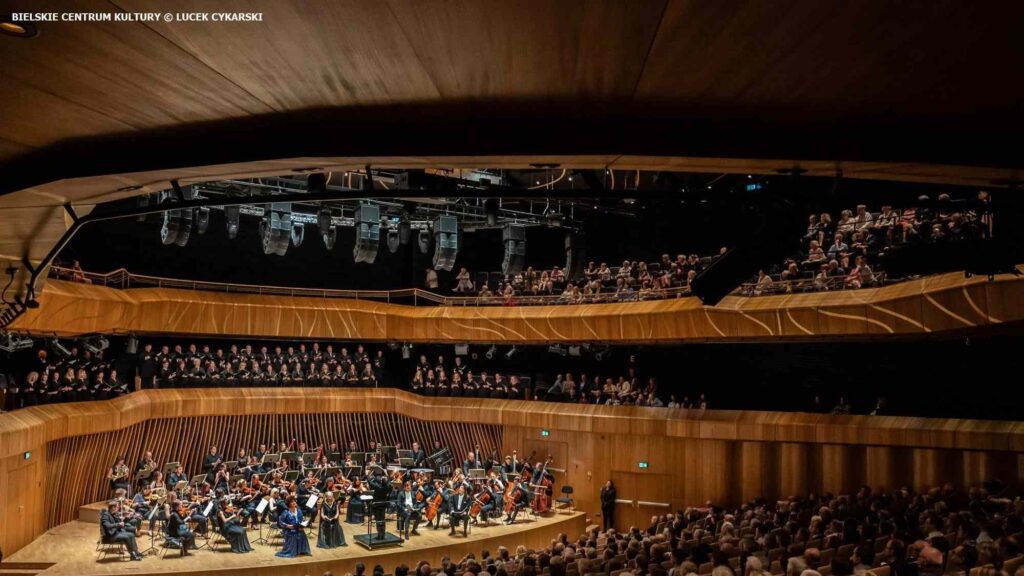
<point x="285" y="493"/>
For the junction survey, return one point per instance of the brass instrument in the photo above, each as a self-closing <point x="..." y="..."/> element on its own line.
<point x="120" y="472"/>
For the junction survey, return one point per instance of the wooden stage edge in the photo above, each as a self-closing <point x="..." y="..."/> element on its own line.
<point x="72" y="549"/>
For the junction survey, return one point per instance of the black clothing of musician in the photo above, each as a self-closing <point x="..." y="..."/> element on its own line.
<point x="113" y="531"/>
<point x="381" y="495"/>
<point x="608" y="497"/>
<point x="459" y="510"/>
<point x="177" y="528"/>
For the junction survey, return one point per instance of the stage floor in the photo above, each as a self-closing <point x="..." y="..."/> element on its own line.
<point x="72" y="547"/>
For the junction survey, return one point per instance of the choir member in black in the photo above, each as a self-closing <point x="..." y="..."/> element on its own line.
<point x="608" y="504"/>
<point x="500" y="388"/>
<point x="118" y="475"/>
<point x="458" y="510"/>
<point x="81" y="391"/>
<point x="470" y="386"/>
<point x="416" y="385"/>
<point x="430" y="385"/>
<point x="113" y="530"/>
<point x="519" y="497"/>
<point x="177" y="529"/>
<point x="232" y="527"/>
<point x="117" y="385"/>
<point x="486" y="386"/>
<point x="409" y="509"/>
<point x="455" y="387"/>
<point x="148" y="366"/>
<point x="443" y="389"/>
<point x="367" y="379"/>
<point x="514" y="390"/>
<point x="331" y="534"/>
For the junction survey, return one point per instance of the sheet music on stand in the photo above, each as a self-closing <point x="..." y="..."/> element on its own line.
<point x="390" y="453"/>
<point x="231" y="465"/>
<point x="359" y="458"/>
<point x="156" y="507"/>
<point x="351" y="471"/>
<point x="170" y="467"/>
<point x="312" y="500"/>
<point x="291" y="475"/>
<point x="305" y="523"/>
<point x="209" y="507"/>
<point x="404" y="454"/>
<point x="334" y="457"/>
<point x="477" y="474"/>
<point x="329" y="472"/>
<point x="198" y="479"/>
<point x="308" y="457"/>
<point x="405" y="462"/>
<point x="181" y="485"/>
<point x="291" y="456"/>
<point x="234" y="480"/>
<point x="262" y="506"/>
<point x="270" y="459"/>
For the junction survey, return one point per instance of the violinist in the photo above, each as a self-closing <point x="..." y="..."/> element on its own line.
<point x="177" y="528"/>
<point x="356" y="508"/>
<point x="304" y="492"/>
<point x="232" y="525"/>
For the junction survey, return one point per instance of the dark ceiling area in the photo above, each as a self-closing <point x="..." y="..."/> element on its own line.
<point x="878" y="81"/>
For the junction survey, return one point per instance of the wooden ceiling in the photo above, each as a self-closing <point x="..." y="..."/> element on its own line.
<point x="911" y="90"/>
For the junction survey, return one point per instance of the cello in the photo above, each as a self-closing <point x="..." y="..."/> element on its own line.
<point x="434" y="503"/>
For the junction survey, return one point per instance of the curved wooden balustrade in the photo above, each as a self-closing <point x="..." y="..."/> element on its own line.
<point x="692" y="456"/>
<point x="927" y="305"/>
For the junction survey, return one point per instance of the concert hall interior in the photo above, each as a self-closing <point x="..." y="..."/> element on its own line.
<point x="591" y="288"/>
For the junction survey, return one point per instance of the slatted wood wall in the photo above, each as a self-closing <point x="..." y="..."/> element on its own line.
<point x="78" y="465"/>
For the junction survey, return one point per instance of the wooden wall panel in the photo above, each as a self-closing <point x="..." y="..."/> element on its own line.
<point x="927" y="305"/>
<point x="725" y="457"/>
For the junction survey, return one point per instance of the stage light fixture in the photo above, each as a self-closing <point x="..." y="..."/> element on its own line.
<point x="276" y="228"/>
<point x="557" y="349"/>
<point x="511" y="352"/>
<point x="58" y="348"/>
<point x="404" y="231"/>
<point x="491" y="352"/>
<point x="13" y="343"/>
<point x="394" y="240"/>
<point x="298" y="234"/>
<point x="232" y="214"/>
<point x="202" y="217"/>
<point x="423" y="239"/>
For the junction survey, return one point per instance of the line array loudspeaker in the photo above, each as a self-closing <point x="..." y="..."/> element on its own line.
<point x="276" y="228"/>
<point x="367" y="233"/>
<point x="446" y="246"/>
<point x="514" y="237"/>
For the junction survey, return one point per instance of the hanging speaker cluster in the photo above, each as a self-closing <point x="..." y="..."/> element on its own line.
<point x="514" y="238"/>
<point x="276" y="228"/>
<point x="177" y="223"/>
<point x="367" y="233"/>
<point x="446" y="244"/>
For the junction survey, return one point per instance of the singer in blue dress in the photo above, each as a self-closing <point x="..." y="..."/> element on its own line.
<point x="296" y="543"/>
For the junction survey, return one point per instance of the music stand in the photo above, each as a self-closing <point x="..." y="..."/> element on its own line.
<point x="307" y="458"/>
<point x="351" y="470"/>
<point x="329" y="472"/>
<point x="271" y="459"/>
<point x="405" y="462"/>
<point x="144" y="478"/>
<point x="181" y="485"/>
<point x="359" y="458"/>
<point x="198" y="479"/>
<point x="404" y="454"/>
<point x="476" y="474"/>
<point x="335" y="457"/>
<point x="233" y="481"/>
<point x="389" y="453"/>
<point x="231" y="465"/>
<point x="291" y="456"/>
<point x="170" y="467"/>
<point x="291" y="475"/>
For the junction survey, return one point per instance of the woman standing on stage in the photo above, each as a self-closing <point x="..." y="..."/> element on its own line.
<point x="331" y="535"/>
<point x="608" y="497"/>
<point x="296" y="543"/>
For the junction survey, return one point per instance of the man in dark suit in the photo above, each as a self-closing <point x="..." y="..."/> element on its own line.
<point x="459" y="510"/>
<point x="471" y="461"/>
<point x="210" y="463"/>
<point x="381" y="497"/>
<point x="113" y="530"/>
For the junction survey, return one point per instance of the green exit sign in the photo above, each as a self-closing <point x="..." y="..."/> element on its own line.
<point x="643" y="464"/>
<point x="545" y="433"/>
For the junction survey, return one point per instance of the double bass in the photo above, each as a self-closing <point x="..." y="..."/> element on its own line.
<point x="542" y="501"/>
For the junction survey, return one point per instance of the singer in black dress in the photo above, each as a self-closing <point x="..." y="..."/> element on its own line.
<point x="331" y="535"/>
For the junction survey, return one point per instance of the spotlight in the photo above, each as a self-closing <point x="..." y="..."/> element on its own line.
<point x="231" y="213"/>
<point x="202" y="218"/>
<point x="575" y="351"/>
<point x="177" y="224"/>
<point x="406" y="351"/>
<point x="327" y="231"/>
<point x="491" y="352"/>
<point x="298" y="234"/>
<point x="557" y="349"/>
<point x="461" y="349"/>
<point x="58" y="348"/>
<point x="394" y="240"/>
<point x="276" y="228"/>
<point x="423" y="239"/>
<point x="511" y="352"/>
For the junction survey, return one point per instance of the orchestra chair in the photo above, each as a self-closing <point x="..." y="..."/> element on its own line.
<point x="567" y="500"/>
<point x="106" y="547"/>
